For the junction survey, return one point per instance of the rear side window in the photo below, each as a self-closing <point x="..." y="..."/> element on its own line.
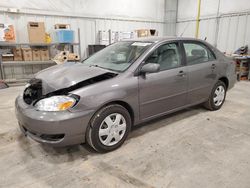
<point x="197" y="53"/>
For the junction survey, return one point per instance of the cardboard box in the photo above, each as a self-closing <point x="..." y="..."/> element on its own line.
<point x="44" y="54"/>
<point x="36" y="55"/>
<point x="17" y="54"/>
<point x="146" y="32"/>
<point x="143" y="33"/>
<point x="62" y="26"/>
<point x="36" y="31"/>
<point x="7" y="57"/>
<point x="27" y="54"/>
<point x="7" y="33"/>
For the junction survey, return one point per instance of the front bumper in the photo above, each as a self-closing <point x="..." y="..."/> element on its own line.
<point x="53" y="128"/>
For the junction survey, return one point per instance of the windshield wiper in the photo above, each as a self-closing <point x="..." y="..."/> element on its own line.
<point x="96" y="66"/>
<point x="103" y="68"/>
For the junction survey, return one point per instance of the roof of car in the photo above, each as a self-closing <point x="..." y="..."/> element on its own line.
<point x="160" y="39"/>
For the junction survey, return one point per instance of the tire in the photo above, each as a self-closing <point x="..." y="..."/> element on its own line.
<point x="211" y="104"/>
<point x="110" y="121"/>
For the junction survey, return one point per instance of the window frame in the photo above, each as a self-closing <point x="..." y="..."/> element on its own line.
<point x="179" y="49"/>
<point x="200" y="44"/>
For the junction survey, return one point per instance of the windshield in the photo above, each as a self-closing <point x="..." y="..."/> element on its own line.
<point x="118" y="56"/>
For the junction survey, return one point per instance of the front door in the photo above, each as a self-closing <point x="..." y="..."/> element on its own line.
<point x="165" y="90"/>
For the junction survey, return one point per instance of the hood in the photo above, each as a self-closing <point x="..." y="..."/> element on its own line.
<point x="70" y="74"/>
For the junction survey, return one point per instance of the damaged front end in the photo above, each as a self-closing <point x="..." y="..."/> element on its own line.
<point x="36" y="90"/>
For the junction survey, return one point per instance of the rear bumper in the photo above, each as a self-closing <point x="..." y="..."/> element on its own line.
<point x="53" y="128"/>
<point x="232" y="81"/>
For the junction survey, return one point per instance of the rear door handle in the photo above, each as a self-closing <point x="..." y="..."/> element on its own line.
<point x="181" y="73"/>
<point x="213" y="66"/>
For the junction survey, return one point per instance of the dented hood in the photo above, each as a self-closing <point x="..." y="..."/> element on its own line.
<point x="67" y="75"/>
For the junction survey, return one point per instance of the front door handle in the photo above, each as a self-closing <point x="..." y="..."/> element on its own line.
<point x="181" y="74"/>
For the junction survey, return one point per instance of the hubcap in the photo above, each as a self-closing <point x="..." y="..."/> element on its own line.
<point x="219" y="95"/>
<point x="112" y="129"/>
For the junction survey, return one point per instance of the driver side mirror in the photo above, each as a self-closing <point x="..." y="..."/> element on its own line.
<point x="150" y="68"/>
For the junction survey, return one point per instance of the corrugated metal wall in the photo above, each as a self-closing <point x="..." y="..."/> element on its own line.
<point x="170" y="17"/>
<point x="89" y="16"/>
<point x="88" y="27"/>
<point x="226" y="24"/>
<point x="234" y="31"/>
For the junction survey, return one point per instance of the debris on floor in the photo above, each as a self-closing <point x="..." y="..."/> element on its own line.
<point x="3" y="85"/>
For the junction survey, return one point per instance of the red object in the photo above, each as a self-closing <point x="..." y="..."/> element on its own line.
<point x="3" y="85"/>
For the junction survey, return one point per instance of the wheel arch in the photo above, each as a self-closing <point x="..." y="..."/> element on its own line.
<point x="225" y="81"/>
<point x="123" y="104"/>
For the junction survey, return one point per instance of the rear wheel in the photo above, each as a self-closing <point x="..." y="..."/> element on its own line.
<point x="217" y="96"/>
<point x="108" y="128"/>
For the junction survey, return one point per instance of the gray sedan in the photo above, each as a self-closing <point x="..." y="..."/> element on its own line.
<point x="127" y="83"/>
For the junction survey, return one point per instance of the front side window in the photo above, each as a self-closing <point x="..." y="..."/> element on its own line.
<point x="197" y="53"/>
<point x="118" y="56"/>
<point x="166" y="55"/>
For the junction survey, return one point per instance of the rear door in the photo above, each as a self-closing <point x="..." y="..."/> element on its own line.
<point x="167" y="89"/>
<point x="201" y="68"/>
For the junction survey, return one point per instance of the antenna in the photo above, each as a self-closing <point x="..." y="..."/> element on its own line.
<point x="185" y="29"/>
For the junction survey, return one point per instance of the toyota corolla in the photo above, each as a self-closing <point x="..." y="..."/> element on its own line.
<point x="127" y="83"/>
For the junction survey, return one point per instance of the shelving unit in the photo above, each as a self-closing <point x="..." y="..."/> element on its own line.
<point x="27" y="62"/>
<point x="22" y="70"/>
<point x="242" y="66"/>
<point x="9" y="44"/>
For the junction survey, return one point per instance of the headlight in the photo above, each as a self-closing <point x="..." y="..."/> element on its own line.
<point x="55" y="103"/>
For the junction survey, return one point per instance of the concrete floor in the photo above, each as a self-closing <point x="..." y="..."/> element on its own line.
<point x="191" y="148"/>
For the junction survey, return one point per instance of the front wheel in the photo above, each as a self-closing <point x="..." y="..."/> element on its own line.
<point x="217" y="96"/>
<point x="108" y="128"/>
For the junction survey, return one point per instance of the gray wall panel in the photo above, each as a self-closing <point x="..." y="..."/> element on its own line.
<point x="234" y="22"/>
